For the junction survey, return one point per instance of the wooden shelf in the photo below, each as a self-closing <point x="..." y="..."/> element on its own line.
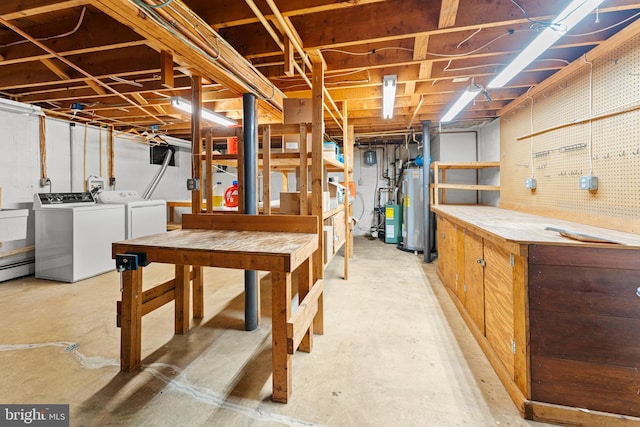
<point x="335" y="251"/>
<point x="294" y="162"/>
<point x="444" y="166"/>
<point x="279" y="161"/>
<point x="332" y="212"/>
<point x="464" y="165"/>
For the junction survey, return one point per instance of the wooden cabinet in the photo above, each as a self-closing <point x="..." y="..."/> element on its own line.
<point x="585" y="327"/>
<point x="473" y="285"/>
<point x="498" y="283"/>
<point x="558" y="319"/>
<point x="447" y="242"/>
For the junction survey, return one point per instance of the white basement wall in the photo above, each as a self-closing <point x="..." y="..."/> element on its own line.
<point x="20" y="169"/>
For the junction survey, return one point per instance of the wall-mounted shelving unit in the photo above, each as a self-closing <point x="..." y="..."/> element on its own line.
<point x="287" y="162"/>
<point x="438" y="193"/>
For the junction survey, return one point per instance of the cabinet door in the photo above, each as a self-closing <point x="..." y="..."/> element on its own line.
<point x="473" y="279"/>
<point x="498" y="294"/>
<point x="447" y="257"/>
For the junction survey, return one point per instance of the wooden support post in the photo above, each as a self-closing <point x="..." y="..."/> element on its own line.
<point x="289" y="63"/>
<point x="285" y="180"/>
<point x="347" y="220"/>
<point x="166" y="69"/>
<point x="317" y="183"/>
<point x="43" y="147"/>
<point x="209" y="170"/>
<point x="303" y="175"/>
<point x="198" y="292"/>
<point x="110" y="156"/>
<point x="182" y="299"/>
<point x="196" y="141"/>
<point x="266" y="170"/>
<point x="131" y="320"/>
<point x="305" y="275"/>
<point x="280" y="313"/>
<point x="348" y="161"/>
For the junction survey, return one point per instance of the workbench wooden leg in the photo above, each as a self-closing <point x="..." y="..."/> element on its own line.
<point x="318" y="320"/>
<point x="131" y="320"/>
<point x="198" y="292"/>
<point x="280" y="313"/>
<point x="305" y="275"/>
<point x="182" y="295"/>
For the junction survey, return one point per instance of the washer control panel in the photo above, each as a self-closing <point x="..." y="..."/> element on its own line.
<point x="64" y="198"/>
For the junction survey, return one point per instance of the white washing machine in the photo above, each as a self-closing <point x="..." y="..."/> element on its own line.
<point x="74" y="235"/>
<point x="142" y="217"/>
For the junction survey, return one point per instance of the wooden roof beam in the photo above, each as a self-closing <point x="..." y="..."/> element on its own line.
<point x="448" y="13"/>
<point x="226" y="66"/>
<point x="16" y="9"/>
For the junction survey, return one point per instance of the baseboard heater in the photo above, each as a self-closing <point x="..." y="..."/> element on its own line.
<point x="18" y="263"/>
<point x="17" y="269"/>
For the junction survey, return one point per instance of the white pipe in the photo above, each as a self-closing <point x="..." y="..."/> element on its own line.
<point x="156" y="179"/>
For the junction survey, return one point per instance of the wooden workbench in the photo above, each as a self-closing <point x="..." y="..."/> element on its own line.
<point x="557" y="315"/>
<point x="278" y="244"/>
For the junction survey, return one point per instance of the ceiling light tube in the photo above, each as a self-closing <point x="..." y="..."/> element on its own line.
<point x="208" y="115"/>
<point x="462" y="102"/>
<point x="565" y="21"/>
<point x="388" y="95"/>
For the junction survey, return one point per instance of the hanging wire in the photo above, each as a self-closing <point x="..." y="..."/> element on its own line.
<point x="68" y="33"/>
<point x="605" y="28"/>
<point x="584" y="58"/>
<point x="531" y="130"/>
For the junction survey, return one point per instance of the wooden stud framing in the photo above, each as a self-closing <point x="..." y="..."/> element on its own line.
<point x="289" y="67"/>
<point x="317" y="174"/>
<point x="166" y="69"/>
<point x="196" y="141"/>
<point x="266" y="170"/>
<point x="209" y="170"/>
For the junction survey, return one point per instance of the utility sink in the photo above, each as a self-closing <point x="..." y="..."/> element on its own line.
<point x="13" y="224"/>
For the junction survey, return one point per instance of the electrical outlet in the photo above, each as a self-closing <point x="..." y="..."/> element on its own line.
<point x="112" y="180"/>
<point x="44" y="182"/>
<point x="588" y="182"/>
<point x="193" y="184"/>
<point x="531" y="183"/>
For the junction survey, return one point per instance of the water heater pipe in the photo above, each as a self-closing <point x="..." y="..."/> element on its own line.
<point x="156" y="179"/>
<point x="426" y="182"/>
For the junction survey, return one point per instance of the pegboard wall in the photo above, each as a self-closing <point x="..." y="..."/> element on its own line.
<point x="550" y="138"/>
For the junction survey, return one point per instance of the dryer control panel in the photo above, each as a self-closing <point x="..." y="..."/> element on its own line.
<point x="45" y="199"/>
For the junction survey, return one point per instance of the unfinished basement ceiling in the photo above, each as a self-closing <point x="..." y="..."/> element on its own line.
<point x="99" y="61"/>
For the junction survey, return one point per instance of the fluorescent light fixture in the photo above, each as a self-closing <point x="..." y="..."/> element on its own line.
<point x="566" y="20"/>
<point x="462" y="102"/>
<point x="388" y="95"/>
<point x="185" y="106"/>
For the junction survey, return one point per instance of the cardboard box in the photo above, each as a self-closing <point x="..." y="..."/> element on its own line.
<point x="327" y="239"/>
<point x="292" y="143"/>
<point x="297" y="110"/>
<point x="336" y="191"/>
<point x="290" y="202"/>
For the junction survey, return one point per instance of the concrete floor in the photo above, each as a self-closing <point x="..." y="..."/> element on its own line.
<point x="395" y="353"/>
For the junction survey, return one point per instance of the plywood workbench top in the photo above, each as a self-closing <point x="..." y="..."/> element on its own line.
<point x="258" y="242"/>
<point x="524" y="228"/>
